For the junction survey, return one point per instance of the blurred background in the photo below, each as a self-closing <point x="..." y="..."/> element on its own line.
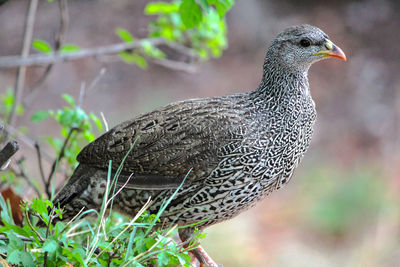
<point x="342" y="207"/>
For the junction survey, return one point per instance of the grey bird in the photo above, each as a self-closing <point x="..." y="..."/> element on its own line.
<point x="233" y="150"/>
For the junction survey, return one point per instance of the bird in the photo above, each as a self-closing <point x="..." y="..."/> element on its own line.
<point x="218" y="155"/>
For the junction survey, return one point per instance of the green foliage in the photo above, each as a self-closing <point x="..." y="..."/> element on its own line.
<point x="73" y="121"/>
<point x="124" y="35"/>
<point x="222" y="6"/>
<point x="137" y="56"/>
<point x="69" y="48"/>
<point x="42" y="46"/>
<point x="116" y="240"/>
<point x="199" y="25"/>
<point x="133" y="58"/>
<point x="156" y="8"/>
<point x="7" y="101"/>
<point x="191" y="13"/>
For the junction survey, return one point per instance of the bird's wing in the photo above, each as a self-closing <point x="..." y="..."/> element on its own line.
<point x="167" y="143"/>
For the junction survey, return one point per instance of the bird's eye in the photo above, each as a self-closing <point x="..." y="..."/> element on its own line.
<point x="305" y="42"/>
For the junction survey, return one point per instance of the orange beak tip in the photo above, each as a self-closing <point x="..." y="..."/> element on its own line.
<point x="338" y="53"/>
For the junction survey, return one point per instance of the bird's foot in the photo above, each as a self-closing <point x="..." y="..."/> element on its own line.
<point x="204" y="259"/>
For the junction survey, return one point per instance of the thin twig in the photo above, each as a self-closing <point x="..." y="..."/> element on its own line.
<point x="20" y="79"/>
<point x="175" y="65"/>
<point x="23" y="238"/>
<point x="21" y="173"/>
<point x="40" y="162"/>
<point x="39" y="59"/>
<point x="57" y="160"/>
<point x="119" y="190"/>
<point x="50" y="221"/>
<point x="96" y="79"/>
<point x="104" y="120"/>
<point x="85" y="90"/>
<point x="183" y="49"/>
<point x="60" y="40"/>
<point x="7" y="152"/>
<point x="82" y="93"/>
<point x="71" y="221"/>
<point x="33" y="228"/>
<point x="64" y="21"/>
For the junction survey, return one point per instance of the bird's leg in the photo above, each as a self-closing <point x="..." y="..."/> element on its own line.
<point x="185" y="234"/>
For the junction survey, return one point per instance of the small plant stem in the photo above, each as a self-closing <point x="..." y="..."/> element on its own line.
<point x="33" y="228"/>
<point x="40" y="162"/>
<point x="57" y="161"/>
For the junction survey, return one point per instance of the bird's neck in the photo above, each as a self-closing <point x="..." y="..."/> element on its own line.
<point x="280" y="83"/>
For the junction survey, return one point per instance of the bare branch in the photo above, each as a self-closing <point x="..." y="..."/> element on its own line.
<point x="183" y="49"/>
<point x="8" y="151"/>
<point x="20" y="79"/>
<point x="20" y="172"/>
<point x="39" y="59"/>
<point x="57" y="160"/>
<point x="84" y="90"/>
<point x="25" y="139"/>
<point x="175" y="65"/>
<point x="60" y="40"/>
<point x="96" y="79"/>
<point x="64" y="21"/>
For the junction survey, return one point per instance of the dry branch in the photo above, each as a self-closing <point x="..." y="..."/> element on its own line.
<point x="39" y="59"/>
<point x="20" y="79"/>
<point x="8" y="151"/>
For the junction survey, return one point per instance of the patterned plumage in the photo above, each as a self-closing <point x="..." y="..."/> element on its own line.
<point x="239" y="148"/>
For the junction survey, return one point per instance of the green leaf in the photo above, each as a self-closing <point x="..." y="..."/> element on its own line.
<point x="124" y="35"/>
<point x="15" y="243"/>
<point x="40" y="116"/>
<point x="68" y="48"/>
<point x="88" y="136"/>
<point x="50" y="245"/>
<point x="5" y="211"/>
<point x="160" y="8"/>
<point x="69" y="99"/>
<point x="41" y="46"/>
<point x="39" y="206"/>
<point x="96" y="120"/>
<point x="222" y="6"/>
<point x="183" y="258"/>
<point x="131" y="58"/>
<point x="18" y="258"/>
<point x="163" y="258"/>
<point x="191" y="13"/>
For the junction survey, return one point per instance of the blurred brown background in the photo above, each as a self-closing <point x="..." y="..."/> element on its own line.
<point x="342" y="207"/>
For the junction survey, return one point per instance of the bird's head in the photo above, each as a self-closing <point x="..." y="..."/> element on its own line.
<point x="297" y="47"/>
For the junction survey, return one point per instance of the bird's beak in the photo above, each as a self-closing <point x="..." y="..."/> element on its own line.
<point x="332" y="51"/>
